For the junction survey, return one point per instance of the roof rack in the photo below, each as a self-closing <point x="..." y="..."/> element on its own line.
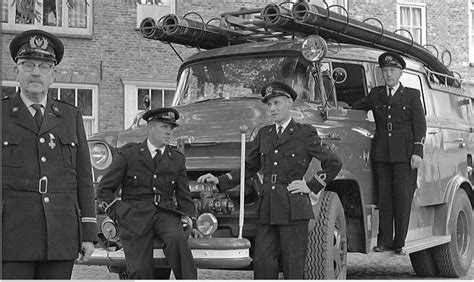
<point x="293" y="21"/>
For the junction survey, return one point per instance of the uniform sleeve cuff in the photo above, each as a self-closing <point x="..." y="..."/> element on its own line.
<point x="89" y="232"/>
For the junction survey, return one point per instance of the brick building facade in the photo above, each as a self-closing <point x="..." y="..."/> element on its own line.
<point x="108" y="66"/>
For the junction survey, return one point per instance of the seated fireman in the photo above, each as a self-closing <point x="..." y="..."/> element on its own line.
<point x="150" y="173"/>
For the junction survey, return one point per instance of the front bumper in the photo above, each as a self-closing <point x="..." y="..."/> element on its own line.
<point x="208" y="253"/>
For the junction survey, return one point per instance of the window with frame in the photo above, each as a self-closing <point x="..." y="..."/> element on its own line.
<point x="411" y="17"/>
<point x="83" y="97"/>
<point x="57" y="16"/>
<point x="137" y="91"/>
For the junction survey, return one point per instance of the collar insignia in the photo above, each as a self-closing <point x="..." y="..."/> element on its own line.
<point x="15" y="109"/>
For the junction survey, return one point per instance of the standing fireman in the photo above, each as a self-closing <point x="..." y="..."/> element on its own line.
<point x="397" y="150"/>
<point x="282" y="152"/>
<point x="152" y="175"/>
<point x="48" y="208"/>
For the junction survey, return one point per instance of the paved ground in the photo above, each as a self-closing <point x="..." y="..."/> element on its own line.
<point x="360" y="266"/>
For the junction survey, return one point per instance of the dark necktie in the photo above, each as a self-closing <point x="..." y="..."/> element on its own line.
<point x="38" y="115"/>
<point x="390" y="93"/>
<point x="157" y="158"/>
<point x="280" y="131"/>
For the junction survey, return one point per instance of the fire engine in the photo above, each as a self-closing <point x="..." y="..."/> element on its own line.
<point x="330" y="59"/>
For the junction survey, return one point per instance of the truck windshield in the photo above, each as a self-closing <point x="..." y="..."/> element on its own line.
<point x="243" y="77"/>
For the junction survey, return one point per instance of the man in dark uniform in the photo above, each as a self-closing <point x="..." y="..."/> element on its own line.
<point x="151" y="175"/>
<point x="48" y="207"/>
<point x="282" y="152"/>
<point x="397" y="150"/>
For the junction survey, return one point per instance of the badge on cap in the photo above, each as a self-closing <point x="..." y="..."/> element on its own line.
<point x="269" y="90"/>
<point x="38" y="42"/>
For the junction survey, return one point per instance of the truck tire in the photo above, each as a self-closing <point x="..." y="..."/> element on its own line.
<point x="424" y="264"/>
<point x="454" y="258"/>
<point x="326" y="256"/>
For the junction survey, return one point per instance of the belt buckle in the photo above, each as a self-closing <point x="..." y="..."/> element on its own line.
<point x="43" y="185"/>
<point x="157" y="199"/>
<point x="389" y="126"/>
<point x="273" y="179"/>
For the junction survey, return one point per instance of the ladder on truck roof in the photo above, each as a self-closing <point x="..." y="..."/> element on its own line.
<point x="289" y="21"/>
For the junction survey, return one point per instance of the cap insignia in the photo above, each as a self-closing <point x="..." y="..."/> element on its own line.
<point x="388" y="58"/>
<point x="38" y="42"/>
<point x="169" y="115"/>
<point x="269" y="90"/>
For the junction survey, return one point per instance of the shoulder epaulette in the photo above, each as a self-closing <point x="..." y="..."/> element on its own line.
<point x="175" y="149"/>
<point x="128" y="147"/>
<point x="65" y="103"/>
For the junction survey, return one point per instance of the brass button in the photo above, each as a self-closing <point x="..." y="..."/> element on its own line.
<point x="134" y="177"/>
<point x="276" y="151"/>
<point x="275" y="163"/>
<point x="388" y="107"/>
<point x="154" y="188"/>
<point x="5" y="143"/>
<point x="389" y="116"/>
<point x="292" y="155"/>
<point x="41" y="140"/>
<point x="273" y="187"/>
<point x="43" y="159"/>
<point x="390" y="134"/>
<point x="156" y="203"/>
<point x="46" y="199"/>
<point x="172" y="181"/>
<point x="73" y="144"/>
<point x="154" y="176"/>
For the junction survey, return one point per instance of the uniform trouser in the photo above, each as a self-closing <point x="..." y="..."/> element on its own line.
<point x="396" y="184"/>
<point x="48" y="269"/>
<point x="271" y="241"/>
<point x="139" y="248"/>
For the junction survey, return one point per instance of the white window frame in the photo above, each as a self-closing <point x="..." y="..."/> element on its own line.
<point x="471" y="31"/>
<point x="95" y="100"/>
<point x="63" y="30"/>
<point x="422" y="7"/>
<point x="130" y="98"/>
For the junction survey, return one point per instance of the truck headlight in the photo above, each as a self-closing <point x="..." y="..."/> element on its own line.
<point x="101" y="156"/>
<point x="314" y="48"/>
<point x="206" y="224"/>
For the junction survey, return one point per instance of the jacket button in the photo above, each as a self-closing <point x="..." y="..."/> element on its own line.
<point x="273" y="187"/>
<point x="43" y="159"/>
<point x="388" y="107"/>
<point x="154" y="188"/>
<point x="389" y="116"/>
<point x="41" y="140"/>
<point x="134" y="177"/>
<point x="292" y="155"/>
<point x="5" y="143"/>
<point x="390" y="134"/>
<point x="154" y="176"/>
<point x="46" y="199"/>
<point x="275" y="163"/>
<point x="73" y="144"/>
<point x="172" y="181"/>
<point x="276" y="151"/>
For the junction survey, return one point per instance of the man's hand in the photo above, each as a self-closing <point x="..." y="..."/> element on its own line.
<point x="209" y="178"/>
<point x="298" y="186"/>
<point x="86" y="251"/>
<point x="416" y="161"/>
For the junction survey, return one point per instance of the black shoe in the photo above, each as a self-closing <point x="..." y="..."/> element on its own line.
<point x="400" y="251"/>
<point x="380" y="248"/>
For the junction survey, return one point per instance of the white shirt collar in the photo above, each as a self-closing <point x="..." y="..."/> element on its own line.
<point x="28" y="102"/>
<point x="284" y="125"/>
<point x="152" y="148"/>
<point x="395" y="88"/>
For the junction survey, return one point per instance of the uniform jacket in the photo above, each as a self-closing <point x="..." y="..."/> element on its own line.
<point x="45" y="219"/>
<point x="400" y="124"/>
<point x="144" y="187"/>
<point x="281" y="161"/>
